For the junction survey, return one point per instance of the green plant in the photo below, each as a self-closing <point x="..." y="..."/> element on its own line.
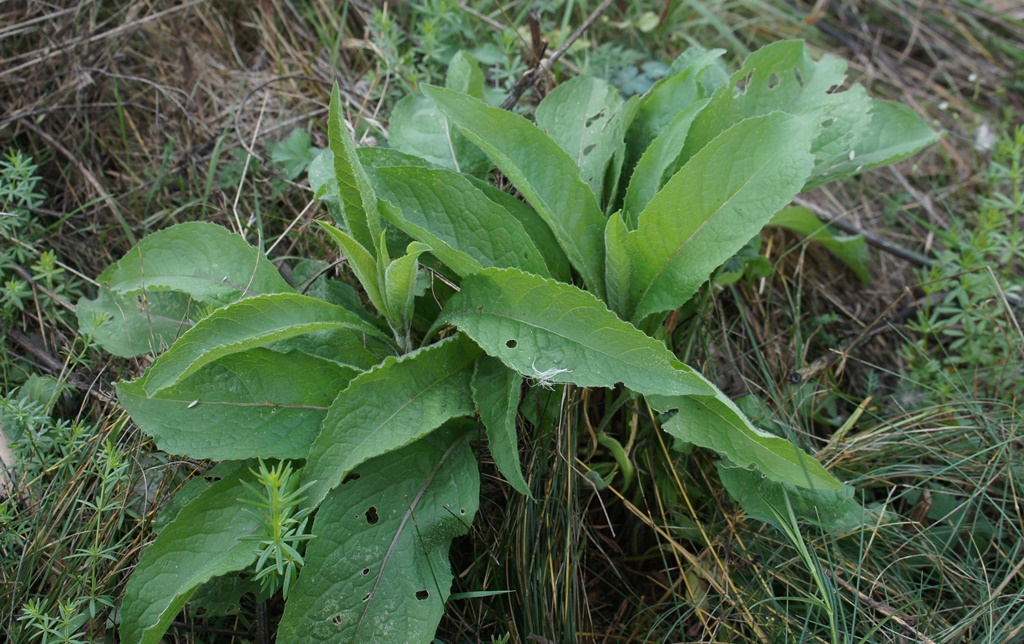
<point x="970" y="333"/>
<point x="31" y="281"/>
<point x="66" y="518"/>
<point x="474" y="296"/>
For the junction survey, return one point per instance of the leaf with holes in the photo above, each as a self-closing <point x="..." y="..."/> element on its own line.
<point x="584" y="117"/>
<point x="852" y="132"/>
<point x="378" y="570"/>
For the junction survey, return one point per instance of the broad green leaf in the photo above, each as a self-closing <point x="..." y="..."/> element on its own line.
<point x="465" y="76"/>
<point x="378" y="570"/>
<point x="391" y="406"/>
<point x="400" y="285"/>
<point x="556" y="333"/>
<point x="657" y="162"/>
<point x="851" y="249"/>
<point x="362" y="264"/>
<point x="463" y="227"/>
<point x="853" y="132"/>
<point x="145" y="299"/>
<point x="210" y="263"/>
<point x="417" y="127"/>
<point x="543" y="172"/>
<point x="536" y="228"/>
<point x="659" y="107"/>
<point x="134" y="325"/>
<point x="496" y="390"/>
<point x="715" y="423"/>
<point x="721" y="198"/>
<point x="895" y="132"/>
<point x="834" y="510"/>
<point x="248" y="324"/>
<point x="254" y="403"/>
<point x="203" y="541"/>
<point x="583" y="117"/>
<point x="359" y="205"/>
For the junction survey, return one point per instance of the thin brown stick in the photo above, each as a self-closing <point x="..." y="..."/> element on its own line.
<point x="900" y="618"/>
<point x="874" y="239"/>
<point x="533" y="76"/>
<point x="54" y="366"/>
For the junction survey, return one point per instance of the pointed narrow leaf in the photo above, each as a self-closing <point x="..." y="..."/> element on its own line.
<point x="400" y="285"/>
<point x="391" y="406"/>
<point x="715" y="423"/>
<point x="554" y="332"/>
<point x="359" y="205"/>
<point x="378" y="570"/>
<point x="656" y="164"/>
<point x="721" y="198"/>
<point x="582" y="116"/>
<point x="203" y="541"/>
<point x="496" y="391"/>
<point x="245" y="325"/>
<point x="255" y="403"/>
<point x="617" y="265"/>
<point x="362" y="264"/>
<point x="464" y="229"/>
<point x="543" y="172"/>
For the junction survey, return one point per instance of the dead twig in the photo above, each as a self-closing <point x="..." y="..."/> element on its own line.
<point x="879" y="242"/>
<point x="904" y="620"/>
<point x="534" y="74"/>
